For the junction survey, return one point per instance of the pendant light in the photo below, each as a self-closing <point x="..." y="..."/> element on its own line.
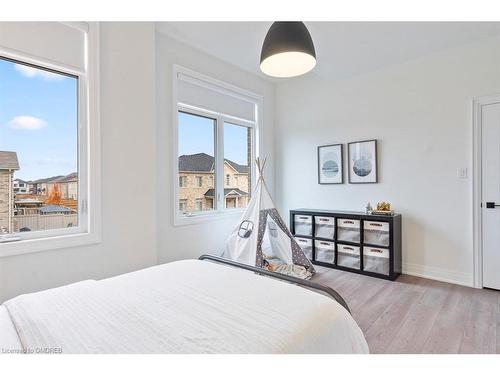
<point x="288" y="50"/>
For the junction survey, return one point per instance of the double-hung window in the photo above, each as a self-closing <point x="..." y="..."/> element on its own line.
<point x="199" y="181"/>
<point x="48" y="136"/>
<point x="216" y="127"/>
<point x="182" y="181"/>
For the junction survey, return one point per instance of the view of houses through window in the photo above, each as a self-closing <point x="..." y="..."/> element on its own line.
<point x="38" y="149"/>
<point x="197" y="164"/>
<point x="237" y="159"/>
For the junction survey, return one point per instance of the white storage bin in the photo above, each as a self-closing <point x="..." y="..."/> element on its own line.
<point x="376" y="233"/>
<point x="348" y="230"/>
<point x="376" y="260"/>
<point x="324" y="227"/>
<point x="306" y="245"/>
<point x="348" y="256"/>
<point x="303" y="225"/>
<point x="324" y="251"/>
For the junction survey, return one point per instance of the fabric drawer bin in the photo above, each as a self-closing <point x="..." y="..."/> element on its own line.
<point x="303" y="225"/>
<point x="324" y="227"/>
<point x="348" y="230"/>
<point x="306" y="245"/>
<point x="324" y="251"/>
<point x="348" y="256"/>
<point x="376" y="260"/>
<point x="376" y="233"/>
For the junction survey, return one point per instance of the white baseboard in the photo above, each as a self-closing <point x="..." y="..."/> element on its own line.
<point x="438" y="274"/>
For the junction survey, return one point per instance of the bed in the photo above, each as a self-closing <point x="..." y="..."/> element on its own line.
<point x="189" y="306"/>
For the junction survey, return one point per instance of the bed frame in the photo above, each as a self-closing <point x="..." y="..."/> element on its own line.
<point x="294" y="280"/>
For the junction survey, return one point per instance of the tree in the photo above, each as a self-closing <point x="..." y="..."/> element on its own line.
<point x="54" y="196"/>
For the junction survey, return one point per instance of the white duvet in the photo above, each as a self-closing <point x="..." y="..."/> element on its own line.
<point x="188" y="306"/>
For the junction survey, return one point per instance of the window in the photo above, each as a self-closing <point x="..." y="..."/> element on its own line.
<point x="39" y="144"/>
<point x="215" y="129"/>
<point x="199" y="181"/>
<point x="238" y="155"/>
<point x="49" y="136"/>
<point x="197" y="135"/>
<point x="198" y="204"/>
<point x="182" y="181"/>
<point x="196" y="155"/>
<point x="182" y="205"/>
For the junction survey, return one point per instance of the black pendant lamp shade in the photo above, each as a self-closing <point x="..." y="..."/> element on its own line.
<point x="288" y="50"/>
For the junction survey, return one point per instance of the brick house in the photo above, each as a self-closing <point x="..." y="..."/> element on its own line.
<point x="8" y="164"/>
<point x="196" y="183"/>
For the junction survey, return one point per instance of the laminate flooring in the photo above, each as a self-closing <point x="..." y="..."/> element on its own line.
<point x="416" y="315"/>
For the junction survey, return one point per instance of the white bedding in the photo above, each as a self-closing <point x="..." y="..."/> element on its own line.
<point x="188" y="306"/>
<point x="9" y="341"/>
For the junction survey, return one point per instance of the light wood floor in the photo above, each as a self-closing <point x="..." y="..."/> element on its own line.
<point x="415" y="315"/>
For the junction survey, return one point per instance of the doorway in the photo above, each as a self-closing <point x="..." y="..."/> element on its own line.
<point x="487" y="192"/>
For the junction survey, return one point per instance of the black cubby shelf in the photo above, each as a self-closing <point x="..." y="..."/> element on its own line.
<point x="368" y="244"/>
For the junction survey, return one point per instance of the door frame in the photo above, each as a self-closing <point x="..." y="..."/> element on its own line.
<point x="477" y="149"/>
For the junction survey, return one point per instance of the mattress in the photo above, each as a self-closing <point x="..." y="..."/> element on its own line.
<point x="188" y="306"/>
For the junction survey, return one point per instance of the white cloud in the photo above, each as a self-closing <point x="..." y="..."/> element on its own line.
<point x="31" y="72"/>
<point x="27" y="123"/>
<point x="54" y="161"/>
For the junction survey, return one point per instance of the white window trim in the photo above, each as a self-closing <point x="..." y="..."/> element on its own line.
<point x="88" y="230"/>
<point x="227" y="89"/>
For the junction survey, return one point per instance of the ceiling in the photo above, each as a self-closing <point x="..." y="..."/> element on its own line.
<point x="343" y="49"/>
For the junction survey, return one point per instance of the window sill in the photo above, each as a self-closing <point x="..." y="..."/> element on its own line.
<point x="207" y="217"/>
<point x="27" y="246"/>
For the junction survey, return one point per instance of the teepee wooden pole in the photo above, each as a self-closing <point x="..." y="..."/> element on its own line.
<point x="263" y="165"/>
<point x="260" y="167"/>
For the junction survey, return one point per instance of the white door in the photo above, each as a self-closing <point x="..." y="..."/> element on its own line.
<point x="490" y="121"/>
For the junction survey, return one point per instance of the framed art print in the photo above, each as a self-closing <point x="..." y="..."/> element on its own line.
<point x="330" y="164"/>
<point x="363" y="162"/>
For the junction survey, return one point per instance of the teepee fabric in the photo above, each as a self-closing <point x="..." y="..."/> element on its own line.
<point x="261" y="236"/>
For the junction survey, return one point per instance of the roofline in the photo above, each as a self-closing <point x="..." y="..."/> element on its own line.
<point x="245" y="194"/>
<point x="234" y="190"/>
<point x="233" y="168"/>
<point x="210" y="172"/>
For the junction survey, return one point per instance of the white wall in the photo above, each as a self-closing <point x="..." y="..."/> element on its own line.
<point x="128" y="138"/>
<point x="420" y="112"/>
<point x="179" y="242"/>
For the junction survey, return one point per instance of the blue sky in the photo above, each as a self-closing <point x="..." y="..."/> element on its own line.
<point x="196" y="134"/>
<point x="38" y="120"/>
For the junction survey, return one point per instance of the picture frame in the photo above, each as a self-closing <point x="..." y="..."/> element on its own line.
<point x="362" y="162"/>
<point x="331" y="164"/>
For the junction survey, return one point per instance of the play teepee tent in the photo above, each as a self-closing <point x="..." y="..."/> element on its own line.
<point x="261" y="238"/>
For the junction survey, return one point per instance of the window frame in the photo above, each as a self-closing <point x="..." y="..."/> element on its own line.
<point x="199" y="181"/>
<point x="218" y="211"/>
<point x="182" y="202"/>
<point x="88" y="230"/>
<point x="182" y="181"/>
